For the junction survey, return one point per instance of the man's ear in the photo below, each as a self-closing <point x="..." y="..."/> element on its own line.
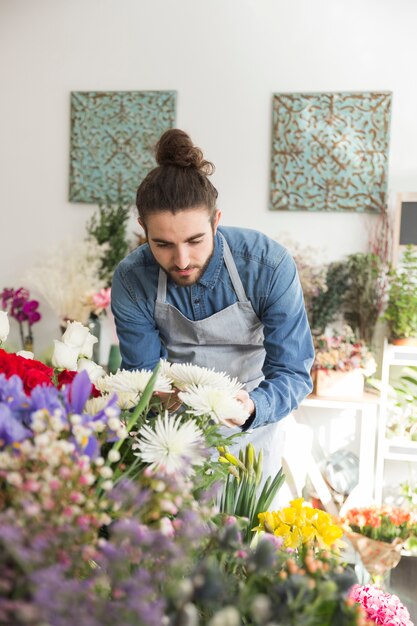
<point x="216" y="220"/>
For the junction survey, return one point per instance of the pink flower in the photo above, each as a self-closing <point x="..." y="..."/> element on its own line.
<point x="382" y="608"/>
<point x="101" y="300"/>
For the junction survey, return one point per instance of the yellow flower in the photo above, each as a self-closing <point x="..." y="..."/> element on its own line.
<point x="301" y="524"/>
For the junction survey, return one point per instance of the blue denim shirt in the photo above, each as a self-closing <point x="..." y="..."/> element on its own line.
<point x="270" y="279"/>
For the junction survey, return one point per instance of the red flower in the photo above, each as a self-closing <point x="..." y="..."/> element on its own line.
<point x="66" y="377"/>
<point x="34" y="373"/>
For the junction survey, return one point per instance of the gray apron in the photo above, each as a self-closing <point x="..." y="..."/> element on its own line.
<point x="229" y="341"/>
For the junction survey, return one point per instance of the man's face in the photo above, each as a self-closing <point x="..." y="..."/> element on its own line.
<point x="182" y="244"/>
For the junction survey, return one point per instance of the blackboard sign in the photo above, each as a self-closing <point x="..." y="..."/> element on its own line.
<point x="405" y="224"/>
<point x="408" y="224"/>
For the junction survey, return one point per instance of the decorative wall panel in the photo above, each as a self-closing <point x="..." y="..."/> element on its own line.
<point x="330" y="151"/>
<point x="112" y="138"/>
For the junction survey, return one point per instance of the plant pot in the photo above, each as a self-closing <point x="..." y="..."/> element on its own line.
<point x="335" y="384"/>
<point x="405" y="341"/>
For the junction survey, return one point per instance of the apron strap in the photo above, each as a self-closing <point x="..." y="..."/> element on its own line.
<point x="161" y="294"/>
<point x="231" y="268"/>
<point x="233" y="273"/>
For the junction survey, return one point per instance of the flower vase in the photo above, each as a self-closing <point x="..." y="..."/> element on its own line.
<point x="115" y="359"/>
<point x="28" y="344"/>
<point x="94" y="327"/>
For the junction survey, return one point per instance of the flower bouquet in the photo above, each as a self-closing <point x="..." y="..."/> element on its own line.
<point x="378" y="534"/>
<point x="380" y="607"/>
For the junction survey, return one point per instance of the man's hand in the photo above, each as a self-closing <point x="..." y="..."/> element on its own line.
<point x="169" y="399"/>
<point x="243" y="397"/>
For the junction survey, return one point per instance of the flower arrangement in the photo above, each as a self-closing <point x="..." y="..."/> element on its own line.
<point x="385" y="523"/>
<point x="378" y="534"/>
<point x="109" y="515"/>
<point x="69" y="277"/>
<point x="380" y="607"/>
<point x="343" y="353"/>
<point x="301" y="525"/>
<point x="25" y="311"/>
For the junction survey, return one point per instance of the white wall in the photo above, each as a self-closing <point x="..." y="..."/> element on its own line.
<point x="224" y="58"/>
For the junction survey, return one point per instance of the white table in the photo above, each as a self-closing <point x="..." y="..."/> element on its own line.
<point x="366" y="409"/>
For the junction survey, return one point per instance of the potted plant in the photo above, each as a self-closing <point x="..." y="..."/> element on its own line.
<point x="341" y="364"/>
<point x="401" y="311"/>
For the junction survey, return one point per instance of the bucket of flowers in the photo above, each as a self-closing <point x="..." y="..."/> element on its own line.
<point x="341" y="364"/>
<point x="378" y="534"/>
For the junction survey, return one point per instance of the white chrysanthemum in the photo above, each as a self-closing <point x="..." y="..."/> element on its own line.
<point x="127" y="399"/>
<point x="171" y="446"/>
<point x="165" y="368"/>
<point x="184" y="374"/>
<point x="95" y="405"/>
<point x="217" y="403"/>
<point x="136" y="381"/>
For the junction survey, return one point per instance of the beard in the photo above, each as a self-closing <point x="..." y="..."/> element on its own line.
<point x="186" y="281"/>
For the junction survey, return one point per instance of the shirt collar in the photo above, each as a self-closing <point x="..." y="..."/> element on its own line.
<point x="212" y="271"/>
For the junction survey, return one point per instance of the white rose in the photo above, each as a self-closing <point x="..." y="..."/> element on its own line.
<point x="75" y="335"/>
<point x="26" y="354"/>
<point x="93" y="370"/>
<point x="64" y="356"/>
<point x="87" y="348"/>
<point x="4" y="326"/>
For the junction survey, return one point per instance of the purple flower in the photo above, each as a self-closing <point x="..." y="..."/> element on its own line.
<point x="12" y="394"/>
<point x="29" y="310"/>
<point x="77" y="394"/>
<point x="47" y="397"/>
<point x="11" y="430"/>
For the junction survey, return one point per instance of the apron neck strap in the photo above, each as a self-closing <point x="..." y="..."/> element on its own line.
<point x="231" y="268"/>
<point x="233" y="273"/>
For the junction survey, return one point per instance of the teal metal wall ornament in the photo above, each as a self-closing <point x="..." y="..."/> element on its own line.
<point x="112" y="138"/>
<point x="330" y="151"/>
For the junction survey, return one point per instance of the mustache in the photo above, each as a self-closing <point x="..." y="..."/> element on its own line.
<point x="175" y="268"/>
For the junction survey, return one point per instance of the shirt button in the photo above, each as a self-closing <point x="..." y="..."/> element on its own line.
<point x="197" y="301"/>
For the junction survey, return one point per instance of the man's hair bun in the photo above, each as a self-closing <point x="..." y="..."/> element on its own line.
<point x="176" y="148"/>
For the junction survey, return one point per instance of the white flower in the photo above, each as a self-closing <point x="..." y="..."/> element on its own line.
<point x="95" y="405"/>
<point x="26" y="354"/>
<point x="87" y="348"/>
<point x="184" y="374"/>
<point x="132" y="382"/>
<point x="4" y="326"/>
<point x="217" y="403"/>
<point x="113" y="456"/>
<point x="127" y="399"/>
<point x="75" y="335"/>
<point x="64" y="356"/>
<point x="171" y="446"/>
<point x="228" y="616"/>
<point x="93" y="370"/>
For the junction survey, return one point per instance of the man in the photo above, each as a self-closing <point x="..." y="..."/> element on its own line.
<point x="223" y="298"/>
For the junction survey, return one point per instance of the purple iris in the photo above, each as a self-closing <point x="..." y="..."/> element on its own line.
<point x="11" y="430"/>
<point x="47" y="397"/>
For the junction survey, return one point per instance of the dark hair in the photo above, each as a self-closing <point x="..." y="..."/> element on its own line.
<point x="181" y="179"/>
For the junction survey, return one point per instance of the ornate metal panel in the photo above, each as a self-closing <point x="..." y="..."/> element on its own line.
<point x="330" y="151"/>
<point x="112" y="137"/>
